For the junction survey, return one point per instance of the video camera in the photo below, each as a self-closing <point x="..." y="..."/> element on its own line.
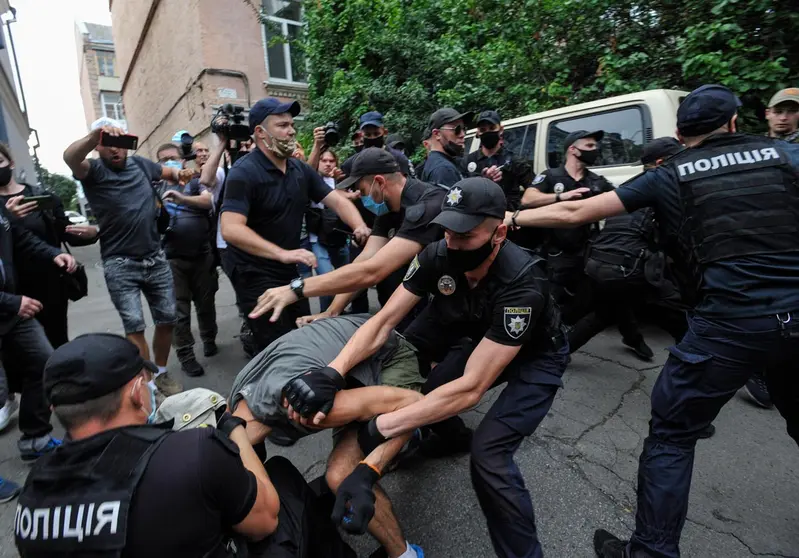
<point x="332" y="136"/>
<point x="187" y="147"/>
<point x="232" y="127"/>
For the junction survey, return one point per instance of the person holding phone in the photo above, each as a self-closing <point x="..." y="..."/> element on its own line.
<point x="42" y="213"/>
<point x="120" y="191"/>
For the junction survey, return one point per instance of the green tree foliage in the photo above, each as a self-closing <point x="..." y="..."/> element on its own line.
<point x="406" y="58"/>
<point x="62" y="186"/>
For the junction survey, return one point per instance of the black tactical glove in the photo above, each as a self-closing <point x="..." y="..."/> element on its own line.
<point x="355" y="500"/>
<point x="227" y="423"/>
<point x="369" y="437"/>
<point x="314" y="392"/>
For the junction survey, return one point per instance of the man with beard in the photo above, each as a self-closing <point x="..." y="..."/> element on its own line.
<point x="447" y="137"/>
<point x="120" y="191"/>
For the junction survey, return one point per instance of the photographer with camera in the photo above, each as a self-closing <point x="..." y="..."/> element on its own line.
<point x="266" y="194"/>
<point x="120" y="191"/>
<point x="187" y="244"/>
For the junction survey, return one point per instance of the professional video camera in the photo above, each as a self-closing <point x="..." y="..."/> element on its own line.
<point x="232" y="127"/>
<point x="187" y="147"/>
<point x="331" y="134"/>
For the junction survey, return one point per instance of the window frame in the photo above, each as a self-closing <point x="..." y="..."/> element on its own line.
<point x="119" y="107"/>
<point x="646" y="130"/>
<point x="284" y="31"/>
<point x="105" y="53"/>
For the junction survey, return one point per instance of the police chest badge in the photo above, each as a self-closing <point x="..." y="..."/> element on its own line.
<point x="559" y="188"/>
<point x="517" y="320"/>
<point x="454" y="196"/>
<point x="446" y="285"/>
<point x="472" y="167"/>
<point x="413" y="268"/>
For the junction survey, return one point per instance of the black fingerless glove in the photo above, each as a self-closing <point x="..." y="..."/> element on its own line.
<point x="314" y="392"/>
<point x="355" y="500"/>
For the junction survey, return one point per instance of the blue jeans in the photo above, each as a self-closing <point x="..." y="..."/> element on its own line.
<point x="127" y="279"/>
<point x="329" y="258"/>
<point x="703" y="371"/>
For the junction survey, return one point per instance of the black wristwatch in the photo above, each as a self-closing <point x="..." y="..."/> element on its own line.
<point x="557" y="197"/>
<point x="513" y="219"/>
<point x="297" y="285"/>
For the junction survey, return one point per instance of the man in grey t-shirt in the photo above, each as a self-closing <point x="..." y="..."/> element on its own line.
<point x="119" y="190"/>
<point x="389" y="380"/>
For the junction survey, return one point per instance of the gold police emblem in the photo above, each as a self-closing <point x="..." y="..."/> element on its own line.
<point x="446" y="285"/>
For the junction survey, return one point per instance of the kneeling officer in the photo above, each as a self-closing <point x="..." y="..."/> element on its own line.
<point x="122" y="487"/>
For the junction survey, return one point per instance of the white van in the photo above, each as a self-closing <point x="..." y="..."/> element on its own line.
<point x="629" y="121"/>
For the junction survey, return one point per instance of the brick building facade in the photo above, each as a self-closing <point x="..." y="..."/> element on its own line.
<point x="100" y="82"/>
<point x="181" y="59"/>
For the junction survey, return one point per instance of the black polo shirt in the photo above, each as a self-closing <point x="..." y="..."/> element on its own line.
<point x="510" y="306"/>
<point x="420" y="204"/>
<point x="514" y="180"/>
<point x="274" y="204"/>
<point x="440" y="168"/>
<point x="557" y="181"/>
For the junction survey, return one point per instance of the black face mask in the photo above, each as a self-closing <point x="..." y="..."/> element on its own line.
<point x="5" y="175"/>
<point x="453" y="150"/>
<point x="358" y="148"/>
<point x="374" y="142"/>
<point x="489" y="140"/>
<point x="467" y="260"/>
<point x="589" y="157"/>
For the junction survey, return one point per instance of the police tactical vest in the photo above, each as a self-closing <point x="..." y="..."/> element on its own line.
<point x="620" y="251"/>
<point x="739" y="198"/>
<point x="76" y="501"/>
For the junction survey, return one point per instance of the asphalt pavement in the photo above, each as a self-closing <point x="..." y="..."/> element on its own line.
<point x="580" y="465"/>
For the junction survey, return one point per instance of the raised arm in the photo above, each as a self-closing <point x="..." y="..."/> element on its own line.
<point x="75" y="155"/>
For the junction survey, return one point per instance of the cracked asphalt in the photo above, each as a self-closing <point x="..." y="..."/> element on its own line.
<point x="580" y="465"/>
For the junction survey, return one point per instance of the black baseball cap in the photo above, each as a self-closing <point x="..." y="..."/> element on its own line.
<point x="445" y="116"/>
<point x="92" y="365"/>
<point x="705" y="109"/>
<point x="371" y="160"/>
<point x="491" y="116"/>
<point x="580" y="134"/>
<point x="263" y="108"/>
<point x="395" y="141"/>
<point x="372" y="118"/>
<point x="660" y="148"/>
<point x="469" y="202"/>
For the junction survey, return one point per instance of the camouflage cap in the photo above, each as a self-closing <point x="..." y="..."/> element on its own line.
<point x="194" y="408"/>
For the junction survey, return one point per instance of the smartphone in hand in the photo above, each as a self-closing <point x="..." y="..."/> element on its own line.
<point x="42" y="202"/>
<point x="126" y="141"/>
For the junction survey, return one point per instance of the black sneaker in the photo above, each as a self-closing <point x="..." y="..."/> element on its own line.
<point x="210" y="349"/>
<point x="192" y="368"/>
<point x="757" y="390"/>
<point x="607" y="545"/>
<point x="707" y="432"/>
<point x="641" y="349"/>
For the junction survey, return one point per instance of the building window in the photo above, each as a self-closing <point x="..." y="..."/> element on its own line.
<point x="112" y="105"/>
<point x="282" y="28"/>
<point x="105" y="63"/>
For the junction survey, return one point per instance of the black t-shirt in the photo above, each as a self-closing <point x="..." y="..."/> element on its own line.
<point x="194" y="489"/>
<point x="509" y="306"/>
<point x="514" y="180"/>
<point x="189" y="235"/>
<point x="557" y="181"/>
<point x="441" y="169"/>
<point x="745" y="287"/>
<point x="274" y="204"/>
<point x="125" y="206"/>
<point x="420" y="204"/>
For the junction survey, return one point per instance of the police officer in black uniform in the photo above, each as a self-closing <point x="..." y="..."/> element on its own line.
<point x="565" y="250"/>
<point x="491" y="291"/>
<point x="446" y="131"/>
<point x="728" y="210"/>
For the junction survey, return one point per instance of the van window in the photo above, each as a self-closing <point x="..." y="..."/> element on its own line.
<point x="514" y="139"/>
<point x="623" y="142"/>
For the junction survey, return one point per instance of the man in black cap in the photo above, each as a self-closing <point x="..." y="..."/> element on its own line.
<point x="496" y="295"/>
<point x="727" y="212"/>
<point x="266" y="195"/>
<point x="395" y="141"/>
<point x="447" y="136"/>
<point x="565" y="250"/>
<point x="516" y="174"/>
<point x="119" y="484"/>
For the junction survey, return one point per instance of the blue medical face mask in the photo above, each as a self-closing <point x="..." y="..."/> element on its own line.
<point x="371" y="205"/>
<point x="173" y="164"/>
<point x="152" y="388"/>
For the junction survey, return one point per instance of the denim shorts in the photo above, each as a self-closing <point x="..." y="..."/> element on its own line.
<point x="127" y="279"/>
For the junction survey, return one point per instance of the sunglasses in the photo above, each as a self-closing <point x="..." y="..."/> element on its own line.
<point x="457" y="129"/>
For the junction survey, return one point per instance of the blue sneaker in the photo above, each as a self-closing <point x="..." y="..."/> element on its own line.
<point x="32" y="449"/>
<point x="8" y="490"/>
<point x="418" y="549"/>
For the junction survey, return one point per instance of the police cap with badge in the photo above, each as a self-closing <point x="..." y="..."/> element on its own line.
<point x="469" y="202"/>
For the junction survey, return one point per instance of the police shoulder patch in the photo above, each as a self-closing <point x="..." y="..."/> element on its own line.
<point x="517" y="320"/>
<point x="539" y="179"/>
<point x="413" y="268"/>
<point x="414" y="213"/>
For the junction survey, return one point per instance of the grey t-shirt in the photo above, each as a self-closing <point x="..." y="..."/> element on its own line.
<point x="124" y="204"/>
<point x="314" y="346"/>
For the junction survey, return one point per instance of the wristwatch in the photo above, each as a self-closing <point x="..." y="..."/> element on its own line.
<point x="513" y="219"/>
<point x="297" y="285"/>
<point x="557" y="197"/>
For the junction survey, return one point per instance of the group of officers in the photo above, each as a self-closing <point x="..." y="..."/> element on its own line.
<point x="471" y="310"/>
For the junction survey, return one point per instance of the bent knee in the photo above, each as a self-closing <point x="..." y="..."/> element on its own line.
<point x="336" y="474"/>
